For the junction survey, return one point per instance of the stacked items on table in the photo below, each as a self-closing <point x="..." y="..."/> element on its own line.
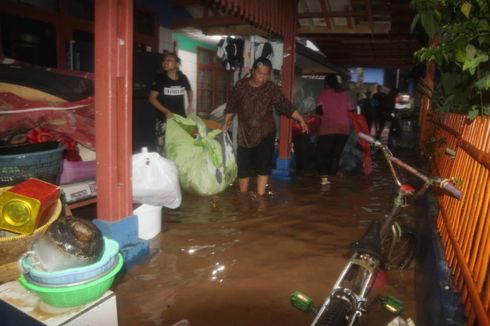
<point x="71" y="264"/>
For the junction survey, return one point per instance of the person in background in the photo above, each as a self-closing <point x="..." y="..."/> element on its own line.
<point x="253" y="100"/>
<point x="376" y="101"/>
<point x="167" y="95"/>
<point x="367" y="110"/>
<point x="387" y="108"/>
<point x="334" y="128"/>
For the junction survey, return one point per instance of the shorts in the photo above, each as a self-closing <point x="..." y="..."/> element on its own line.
<point x="258" y="158"/>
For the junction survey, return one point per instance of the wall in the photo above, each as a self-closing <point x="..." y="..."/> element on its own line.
<point x="187" y="52"/>
<point x="189" y="68"/>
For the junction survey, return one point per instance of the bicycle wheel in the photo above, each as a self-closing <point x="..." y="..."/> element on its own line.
<point x="399" y="246"/>
<point x="336" y="314"/>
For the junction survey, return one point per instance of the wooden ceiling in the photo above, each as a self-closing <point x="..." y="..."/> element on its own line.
<point x="351" y="33"/>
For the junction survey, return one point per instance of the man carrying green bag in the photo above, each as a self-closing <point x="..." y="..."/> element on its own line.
<point x="205" y="160"/>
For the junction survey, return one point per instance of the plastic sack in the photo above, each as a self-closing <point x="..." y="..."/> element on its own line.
<point x="351" y="158"/>
<point x="205" y="160"/>
<point x="155" y="180"/>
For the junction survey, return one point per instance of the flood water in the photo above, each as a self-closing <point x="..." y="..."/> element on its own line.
<point x="234" y="259"/>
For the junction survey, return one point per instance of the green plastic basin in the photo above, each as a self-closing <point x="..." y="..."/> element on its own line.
<point x="71" y="296"/>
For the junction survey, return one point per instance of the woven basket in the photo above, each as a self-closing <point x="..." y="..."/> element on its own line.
<point x="40" y="160"/>
<point x="11" y="248"/>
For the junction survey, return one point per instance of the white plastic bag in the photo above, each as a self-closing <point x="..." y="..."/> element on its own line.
<point x="155" y="180"/>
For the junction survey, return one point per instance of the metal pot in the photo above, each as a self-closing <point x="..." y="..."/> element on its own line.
<point x="67" y="243"/>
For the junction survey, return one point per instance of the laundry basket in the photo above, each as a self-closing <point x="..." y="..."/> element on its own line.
<point x="21" y="162"/>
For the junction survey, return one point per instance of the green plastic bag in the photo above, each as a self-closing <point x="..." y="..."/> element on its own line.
<point x="205" y="160"/>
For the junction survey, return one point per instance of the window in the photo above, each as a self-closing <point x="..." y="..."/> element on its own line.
<point x="213" y="82"/>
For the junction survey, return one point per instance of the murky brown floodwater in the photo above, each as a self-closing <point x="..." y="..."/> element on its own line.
<point x="233" y="259"/>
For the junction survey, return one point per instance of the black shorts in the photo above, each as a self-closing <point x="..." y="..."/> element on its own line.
<point x="258" y="158"/>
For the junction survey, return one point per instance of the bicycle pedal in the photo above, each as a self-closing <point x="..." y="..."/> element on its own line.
<point x="301" y="301"/>
<point x="391" y="304"/>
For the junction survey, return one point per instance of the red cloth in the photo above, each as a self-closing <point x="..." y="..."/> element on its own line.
<point x="313" y="123"/>
<point x="40" y="135"/>
<point x="77" y="124"/>
<point x="360" y="125"/>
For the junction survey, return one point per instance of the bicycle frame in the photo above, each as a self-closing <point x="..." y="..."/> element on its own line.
<point x="368" y="262"/>
<point x="368" y="256"/>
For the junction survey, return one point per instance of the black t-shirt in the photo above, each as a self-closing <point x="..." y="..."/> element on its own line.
<point x="171" y="93"/>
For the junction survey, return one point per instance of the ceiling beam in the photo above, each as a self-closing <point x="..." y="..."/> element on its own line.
<point x="187" y="3"/>
<point x="381" y="57"/>
<point x="345" y="13"/>
<point x="208" y="22"/>
<point x="363" y="28"/>
<point x="239" y="30"/>
<point x="373" y="62"/>
<point x="324" y="12"/>
<point x="353" y="37"/>
<point x="369" y="15"/>
<point x="365" y="50"/>
<point x="348" y="19"/>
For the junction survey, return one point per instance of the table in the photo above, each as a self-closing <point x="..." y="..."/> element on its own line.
<point x="21" y="307"/>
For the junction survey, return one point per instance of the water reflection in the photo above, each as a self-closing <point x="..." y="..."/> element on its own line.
<point x="234" y="258"/>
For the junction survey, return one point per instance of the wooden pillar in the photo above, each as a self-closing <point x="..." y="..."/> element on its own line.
<point x="283" y="164"/>
<point x="285" y="132"/>
<point x="113" y="107"/>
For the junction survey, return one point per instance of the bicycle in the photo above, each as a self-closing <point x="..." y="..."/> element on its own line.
<point x="385" y="244"/>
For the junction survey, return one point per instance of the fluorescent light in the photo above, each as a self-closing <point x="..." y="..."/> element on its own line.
<point x="312" y="46"/>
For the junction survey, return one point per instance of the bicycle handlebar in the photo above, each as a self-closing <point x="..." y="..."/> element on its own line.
<point x="441" y="183"/>
<point x="449" y="187"/>
<point x="368" y="138"/>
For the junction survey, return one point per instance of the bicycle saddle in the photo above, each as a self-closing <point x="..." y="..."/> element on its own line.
<point x="370" y="242"/>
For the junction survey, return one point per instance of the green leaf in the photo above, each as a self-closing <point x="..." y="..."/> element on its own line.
<point x="460" y="55"/>
<point x="483" y="25"/>
<point x="486" y="110"/>
<point x="415" y="21"/>
<point x="473" y="113"/>
<point x="483" y="83"/>
<point x="450" y="82"/>
<point x="430" y="23"/>
<point x="466" y="8"/>
<point x="473" y="59"/>
<point x="470" y="52"/>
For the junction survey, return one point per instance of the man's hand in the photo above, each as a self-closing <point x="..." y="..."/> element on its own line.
<point x="168" y="115"/>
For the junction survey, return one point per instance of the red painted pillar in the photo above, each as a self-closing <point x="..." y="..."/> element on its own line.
<point x="285" y="131"/>
<point x="113" y="107"/>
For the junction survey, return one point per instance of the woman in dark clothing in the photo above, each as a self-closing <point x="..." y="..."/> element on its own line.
<point x="253" y="100"/>
<point x="334" y="128"/>
<point x="168" y="93"/>
<point x="387" y="109"/>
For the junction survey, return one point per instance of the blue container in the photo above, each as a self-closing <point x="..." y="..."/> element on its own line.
<point x="21" y="162"/>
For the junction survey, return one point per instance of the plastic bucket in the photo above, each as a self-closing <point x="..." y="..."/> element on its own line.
<point x="149" y="221"/>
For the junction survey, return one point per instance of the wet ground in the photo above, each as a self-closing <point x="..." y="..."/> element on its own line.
<point x="234" y="259"/>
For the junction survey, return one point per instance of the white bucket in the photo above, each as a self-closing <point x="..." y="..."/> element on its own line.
<point x="149" y="221"/>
